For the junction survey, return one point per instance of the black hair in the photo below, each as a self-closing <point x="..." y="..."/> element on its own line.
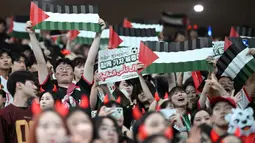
<point x="2" y="21"/>
<point x="152" y="137"/>
<point x="63" y="61"/>
<point x="2" y="93"/>
<point x="195" y="112"/>
<point x="53" y="94"/>
<point x="188" y="82"/>
<point x="5" y="51"/>
<point x="79" y="61"/>
<point x="97" y="122"/>
<point x="17" y="56"/>
<point x="18" y="76"/>
<point x="173" y="90"/>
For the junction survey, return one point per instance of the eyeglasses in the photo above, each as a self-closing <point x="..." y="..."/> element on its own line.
<point x="61" y="69"/>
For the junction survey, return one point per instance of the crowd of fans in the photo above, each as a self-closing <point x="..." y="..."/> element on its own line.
<point x="48" y="96"/>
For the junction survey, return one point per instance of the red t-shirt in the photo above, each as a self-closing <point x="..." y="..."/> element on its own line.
<point x="15" y="123"/>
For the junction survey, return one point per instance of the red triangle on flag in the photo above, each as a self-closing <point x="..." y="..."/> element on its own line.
<point x="37" y="15"/>
<point x="233" y="32"/>
<point x="146" y="55"/>
<point x="197" y="79"/>
<point x="127" y="23"/>
<point x="72" y="34"/>
<point x="114" y="40"/>
<point x="227" y="43"/>
<point x="11" y="25"/>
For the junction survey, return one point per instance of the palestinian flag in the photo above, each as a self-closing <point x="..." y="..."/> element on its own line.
<point x="163" y="57"/>
<point x="174" y="20"/>
<point x="235" y="63"/>
<point x="18" y="27"/>
<point x="241" y="31"/>
<point x="130" y="37"/>
<point x="142" y="24"/>
<point x="47" y="16"/>
<point x="87" y="37"/>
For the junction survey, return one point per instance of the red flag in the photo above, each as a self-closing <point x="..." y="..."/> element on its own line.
<point x="127" y="23"/>
<point x="197" y="79"/>
<point x="233" y="32"/>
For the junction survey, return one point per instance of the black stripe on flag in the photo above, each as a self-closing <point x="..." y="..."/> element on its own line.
<point x="60" y="8"/>
<point x="21" y="19"/>
<point x="144" y="21"/>
<point x="179" y="46"/>
<point x="227" y="58"/>
<point x="174" y="20"/>
<point x="245" y="31"/>
<point x="135" y="32"/>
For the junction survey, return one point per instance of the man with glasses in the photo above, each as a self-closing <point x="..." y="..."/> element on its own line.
<point x="68" y="92"/>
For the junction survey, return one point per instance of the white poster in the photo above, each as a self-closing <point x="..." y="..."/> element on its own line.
<point x="117" y="64"/>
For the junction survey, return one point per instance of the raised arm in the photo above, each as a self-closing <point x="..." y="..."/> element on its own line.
<point x="42" y="65"/>
<point x="250" y="84"/>
<point x="144" y="86"/>
<point x="90" y="62"/>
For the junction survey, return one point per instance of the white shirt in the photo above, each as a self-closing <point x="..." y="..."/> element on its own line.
<point x="9" y="98"/>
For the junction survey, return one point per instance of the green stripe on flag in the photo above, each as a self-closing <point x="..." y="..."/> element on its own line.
<point x="178" y="67"/>
<point x="83" y="40"/>
<point x="49" y="25"/>
<point x="21" y="35"/>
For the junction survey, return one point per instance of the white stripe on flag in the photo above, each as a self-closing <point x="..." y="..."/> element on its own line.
<point x="158" y="27"/>
<point x="91" y="34"/>
<point x="171" y="20"/>
<point x="21" y="27"/>
<point x="135" y="41"/>
<point x="73" y="17"/>
<point x="183" y="56"/>
<point x="237" y="64"/>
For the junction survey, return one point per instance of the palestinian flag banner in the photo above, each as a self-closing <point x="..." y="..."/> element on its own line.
<point x="87" y="37"/>
<point x="235" y="63"/>
<point x="241" y="31"/>
<point x="143" y="24"/>
<point x="18" y="27"/>
<point x="174" y="20"/>
<point x="163" y="57"/>
<point x="47" y="16"/>
<point x="130" y="37"/>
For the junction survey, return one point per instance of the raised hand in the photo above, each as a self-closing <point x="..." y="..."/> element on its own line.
<point x="29" y="27"/>
<point x="251" y="52"/>
<point x="102" y="23"/>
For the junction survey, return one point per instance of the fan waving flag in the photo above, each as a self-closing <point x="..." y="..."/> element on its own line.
<point x="142" y="24"/>
<point x="18" y="27"/>
<point x="47" y="16"/>
<point x="236" y="64"/>
<point x="162" y="57"/>
<point x="130" y="37"/>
